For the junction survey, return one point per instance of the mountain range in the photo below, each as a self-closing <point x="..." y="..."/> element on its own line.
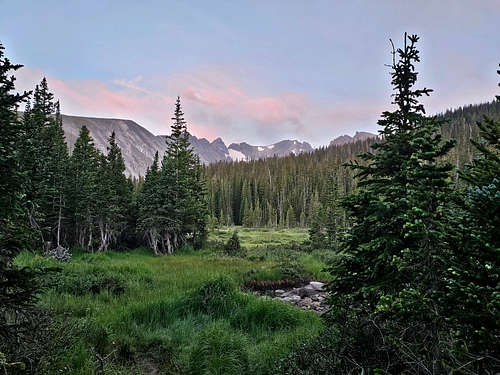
<point x="139" y="145"/>
<point x="359" y="136"/>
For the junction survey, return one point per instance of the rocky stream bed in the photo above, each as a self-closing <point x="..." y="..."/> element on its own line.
<point x="311" y="296"/>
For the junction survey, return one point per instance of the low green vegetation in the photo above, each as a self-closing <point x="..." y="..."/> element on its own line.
<point x="133" y="313"/>
<point x="285" y="248"/>
<point x="252" y="237"/>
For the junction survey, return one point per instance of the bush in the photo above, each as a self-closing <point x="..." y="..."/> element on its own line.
<point x="92" y="281"/>
<point x="219" y="351"/>
<point x="233" y="246"/>
<point x="316" y="356"/>
<point x="96" y="336"/>
<point x="217" y="297"/>
<point x="266" y="314"/>
<point x="291" y="268"/>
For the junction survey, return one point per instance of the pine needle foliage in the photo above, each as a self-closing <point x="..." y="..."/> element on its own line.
<point x="18" y="286"/>
<point x="174" y="207"/>
<point x="389" y="282"/>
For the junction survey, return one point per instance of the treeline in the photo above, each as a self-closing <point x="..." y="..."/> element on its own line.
<point x="84" y="199"/>
<point x="285" y="192"/>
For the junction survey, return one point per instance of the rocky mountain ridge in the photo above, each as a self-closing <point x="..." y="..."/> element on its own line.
<point x="359" y="136"/>
<point x="139" y="145"/>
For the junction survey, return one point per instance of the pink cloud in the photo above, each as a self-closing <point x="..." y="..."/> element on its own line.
<point x="215" y="105"/>
<point x="94" y="98"/>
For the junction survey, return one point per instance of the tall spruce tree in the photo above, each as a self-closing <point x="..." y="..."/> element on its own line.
<point x="114" y="196"/>
<point x="333" y="213"/>
<point x="388" y="286"/>
<point x="474" y="274"/>
<point x="59" y="162"/>
<point x="83" y="189"/>
<point x="17" y="286"/>
<point x="150" y="222"/>
<point x="44" y="137"/>
<point x="175" y="207"/>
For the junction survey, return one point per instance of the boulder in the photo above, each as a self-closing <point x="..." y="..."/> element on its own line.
<point x="316" y="285"/>
<point x="293" y="298"/>
<point x="306" y="291"/>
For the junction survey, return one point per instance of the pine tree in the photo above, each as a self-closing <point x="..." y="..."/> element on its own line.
<point x="83" y="189"/>
<point x="44" y="137"/>
<point x="176" y="208"/>
<point x="317" y="236"/>
<point x="114" y="196"/>
<point x="17" y="286"/>
<point x="395" y="255"/>
<point x="149" y="222"/>
<point x="474" y="273"/>
<point x="59" y="165"/>
<point x="333" y="215"/>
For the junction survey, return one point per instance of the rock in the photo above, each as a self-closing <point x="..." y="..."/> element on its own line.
<point x="279" y="291"/>
<point x="294" y="298"/>
<point x="307" y="301"/>
<point x="306" y="291"/>
<point x="317" y="285"/>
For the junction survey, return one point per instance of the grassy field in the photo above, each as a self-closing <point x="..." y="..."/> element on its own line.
<point x="180" y="314"/>
<point x="251" y="237"/>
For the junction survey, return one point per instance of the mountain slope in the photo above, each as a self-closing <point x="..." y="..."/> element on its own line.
<point x="282" y="148"/>
<point x="359" y="136"/>
<point x="139" y="145"/>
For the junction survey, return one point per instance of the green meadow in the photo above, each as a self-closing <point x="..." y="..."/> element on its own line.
<point x="134" y="313"/>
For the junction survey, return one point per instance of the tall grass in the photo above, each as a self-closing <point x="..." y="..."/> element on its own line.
<point x="144" y="311"/>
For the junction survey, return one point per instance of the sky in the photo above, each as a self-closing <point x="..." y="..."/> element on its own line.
<point x="254" y="71"/>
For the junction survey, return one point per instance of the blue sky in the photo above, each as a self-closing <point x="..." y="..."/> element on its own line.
<point x="255" y="71"/>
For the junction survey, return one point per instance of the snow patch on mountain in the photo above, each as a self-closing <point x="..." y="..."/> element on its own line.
<point x="236" y="155"/>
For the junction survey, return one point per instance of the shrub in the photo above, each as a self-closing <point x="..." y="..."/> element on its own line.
<point x="92" y="280"/>
<point x="317" y="356"/>
<point x="291" y="268"/>
<point x="219" y="351"/>
<point x="266" y="314"/>
<point x="217" y="297"/>
<point x="95" y="336"/>
<point x="233" y="246"/>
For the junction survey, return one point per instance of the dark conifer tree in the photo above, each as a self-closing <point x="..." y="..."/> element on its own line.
<point x="333" y="213"/>
<point x="150" y="221"/>
<point x="114" y="196"/>
<point x="388" y="285"/>
<point x="83" y="189"/>
<point x="174" y="208"/>
<point x="17" y="286"/>
<point x="44" y="137"/>
<point x="474" y="273"/>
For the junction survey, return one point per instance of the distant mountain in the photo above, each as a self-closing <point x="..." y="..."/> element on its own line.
<point x="244" y="151"/>
<point x="359" y="136"/>
<point x="139" y="145"/>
